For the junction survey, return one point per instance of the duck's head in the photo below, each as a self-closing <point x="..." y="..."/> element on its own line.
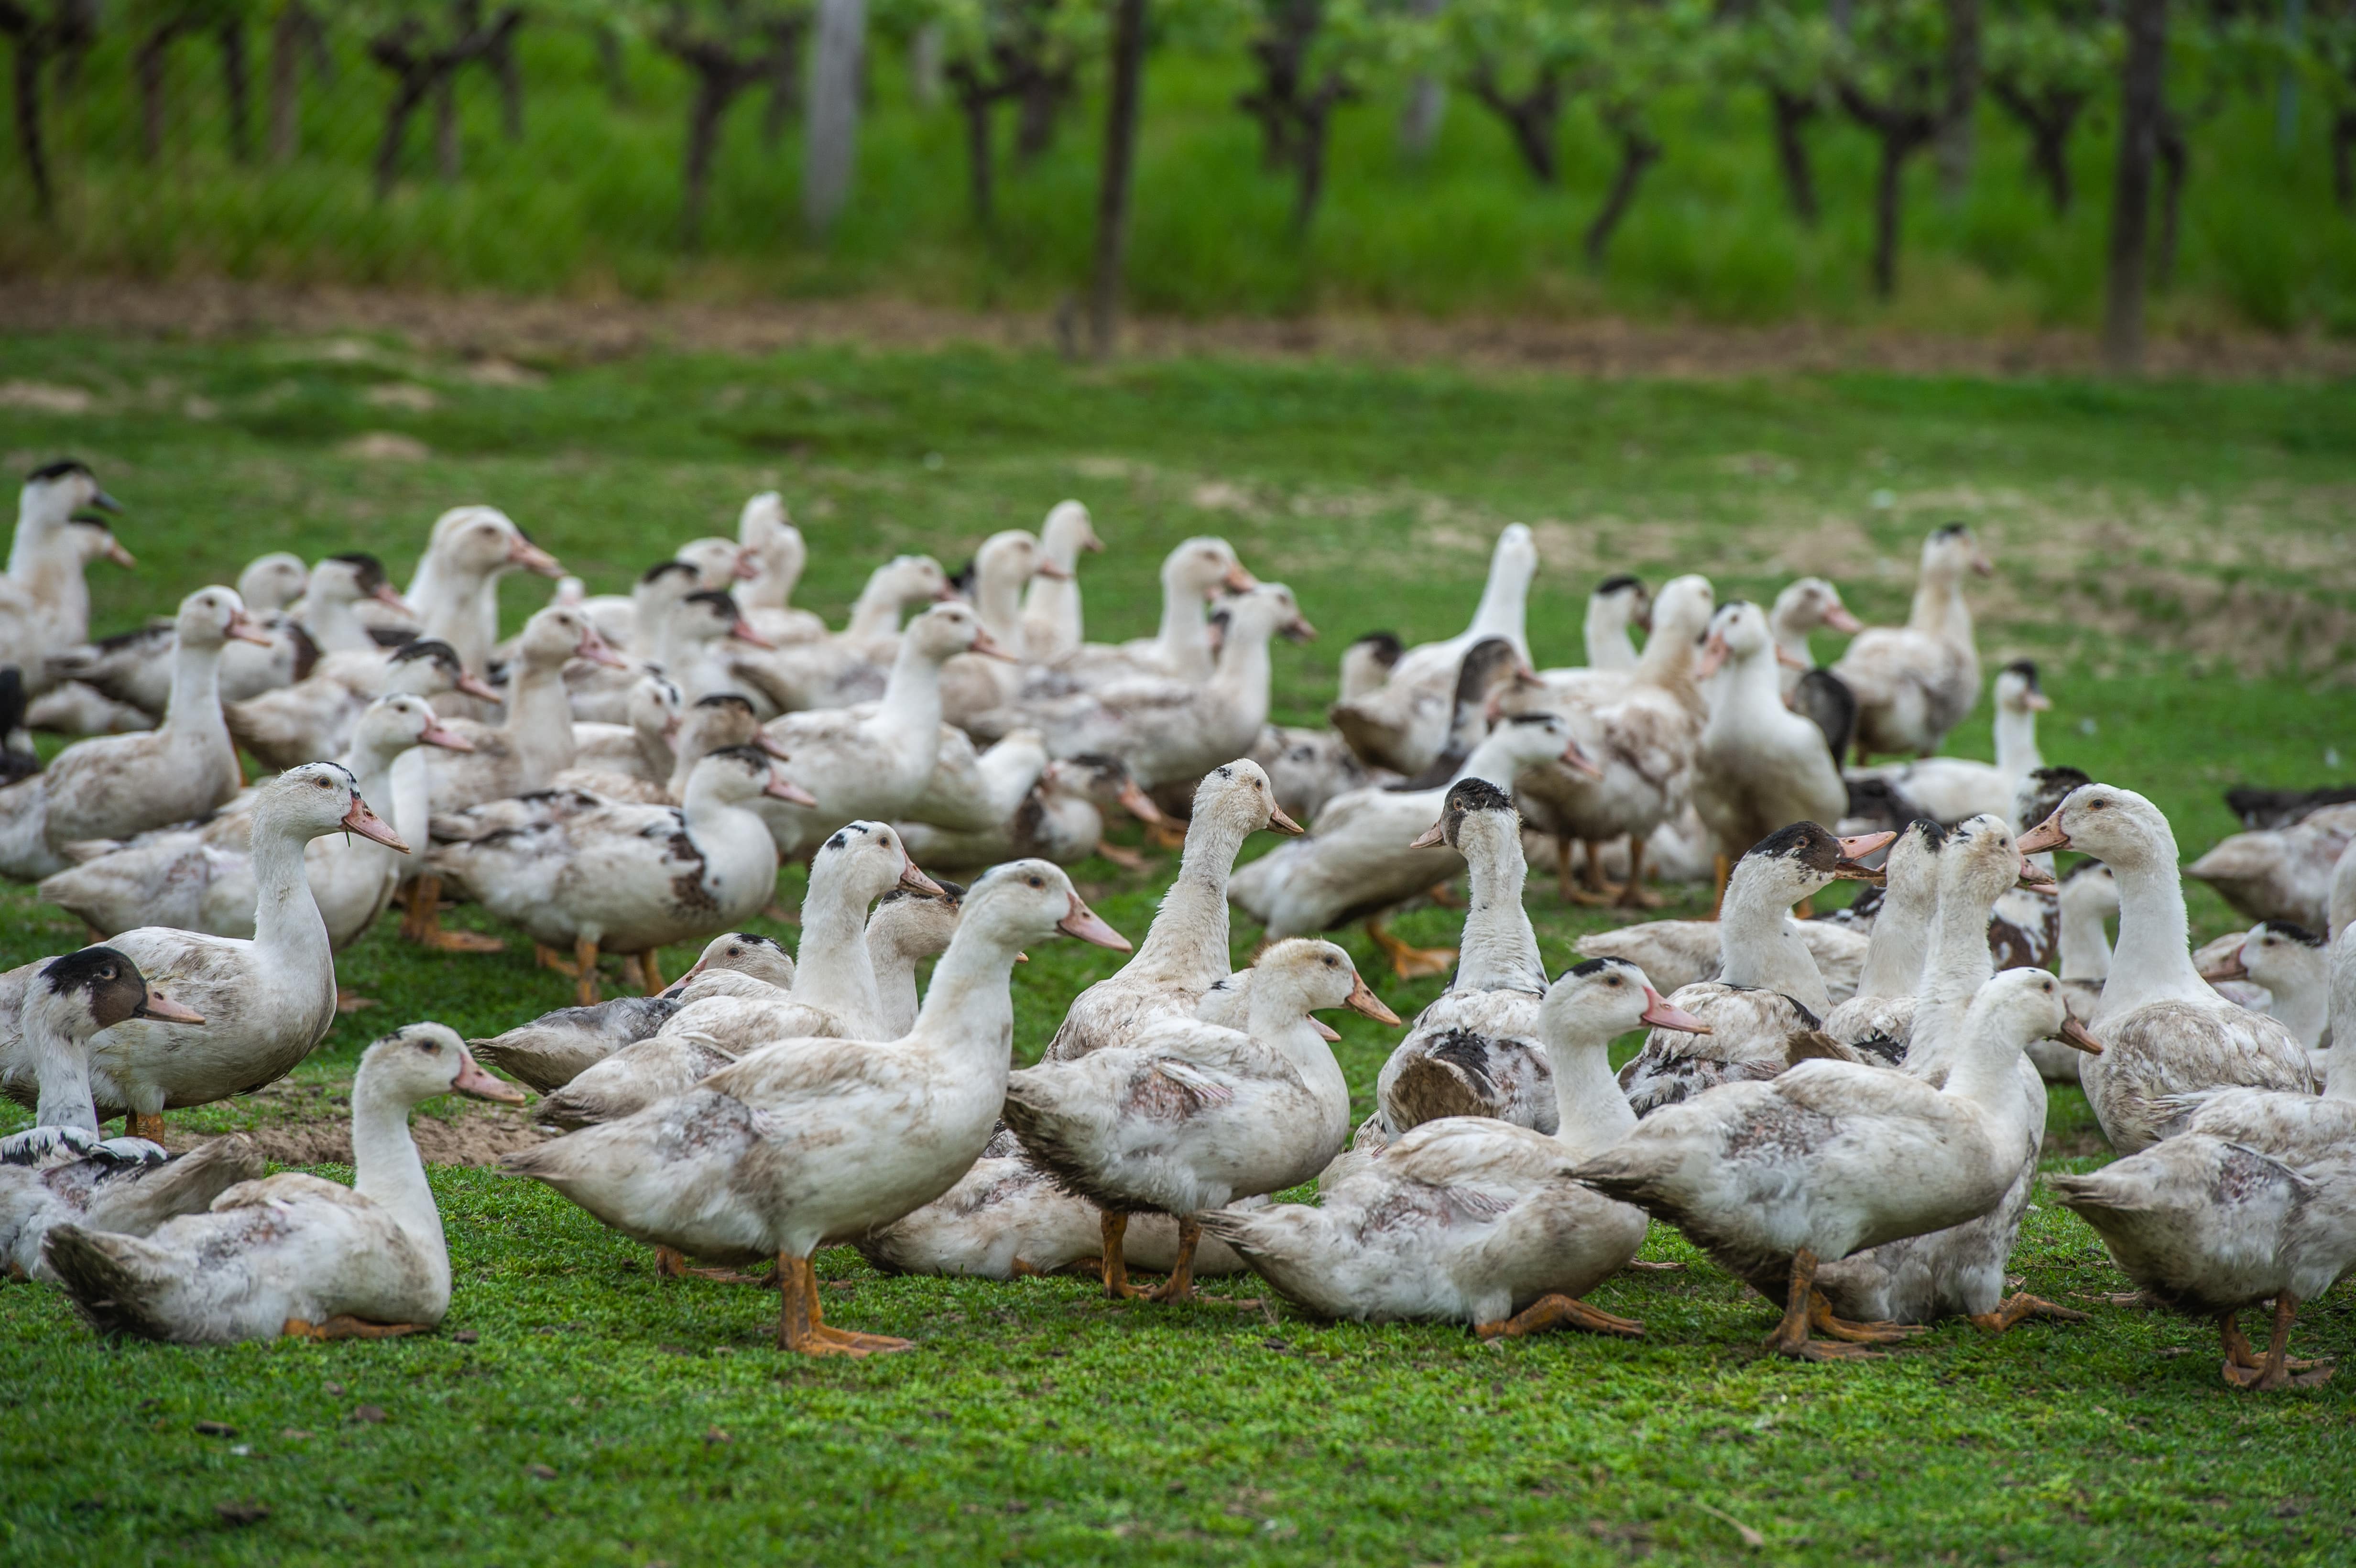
<point x="484" y="541"/>
<point x="2276" y="954"/>
<point x="1515" y="557"/>
<point x="1801" y="861"/>
<point x="2021" y="1007"/>
<point x="399" y="721"/>
<point x="2111" y="823"/>
<point x="913" y="580"/>
<point x="1315" y="975"/>
<point x="737" y="775"/>
<point x="1106" y="780"/>
<point x="94" y="540"/>
<point x="563" y="632"/>
<point x="1738" y="633"/>
<point x="1596" y="1002"/>
<point x="1475" y="810"/>
<point x="211" y="617"/>
<point x="2041" y="793"/>
<point x="1011" y="557"/>
<point x="1263" y="610"/>
<point x="354" y="576"/>
<point x="96" y="988"/>
<point x="418" y="1062"/>
<point x="1239" y="793"/>
<point x="662" y="585"/>
<point x="1981" y="859"/>
<point x="2089" y="888"/>
<point x="2016" y="690"/>
<point x="868" y="860"/>
<point x="1954" y="549"/>
<point x="319" y="798"/>
<point x="1910" y="870"/>
<point x="717" y="562"/>
<point x="428" y="667"/>
<point x="1024" y="902"/>
<point x="1682" y="609"/>
<point x="915" y="925"/>
<point x="54" y="492"/>
<point x="1810" y="602"/>
<point x="949" y="628"/>
<point x="1205" y="565"/>
<point x="1368" y="662"/>
<point x="272" y="581"/>
<point x="746" y="952"/>
<point x="1529" y="739"/>
<point x="709" y="614"/>
<point x="1624" y="596"/>
<point x="725" y="718"/>
<point x="653" y="708"/>
<point x="766" y="532"/>
<point x="1069" y="529"/>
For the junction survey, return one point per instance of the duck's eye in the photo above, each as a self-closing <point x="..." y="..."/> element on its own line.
<point x="319" y="783"/>
<point x="430" y="1046"/>
<point x="1036" y="883"/>
<point x="1329" y="963"/>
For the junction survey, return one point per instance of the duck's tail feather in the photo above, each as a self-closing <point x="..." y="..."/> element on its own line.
<point x="143" y="1200"/>
<point x="115" y="1281"/>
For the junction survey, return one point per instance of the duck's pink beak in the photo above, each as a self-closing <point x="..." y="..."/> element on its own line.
<point x="1432" y="837"/>
<point x="1839" y="619"/>
<point x="473" y="684"/>
<point x="2046" y="835"/>
<point x="166" y="1010"/>
<point x="1053" y="572"/>
<point x="744" y="633"/>
<point x="522" y="553"/>
<point x="359" y="819"/>
<point x="1278" y="821"/>
<point x="916" y="881"/>
<point x="1660" y="1014"/>
<point x="448" y="740"/>
<point x="990" y="647"/>
<point x="1088" y="926"/>
<point x="783" y="788"/>
<point x="473" y="1081"/>
<point x="117" y="554"/>
<point x="597" y="650"/>
<point x="1238" y="581"/>
<point x="244" y="628"/>
<point x="1139" y="804"/>
<point x="386" y="594"/>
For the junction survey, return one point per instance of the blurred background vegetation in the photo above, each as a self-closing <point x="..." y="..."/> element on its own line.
<point x="1941" y="164"/>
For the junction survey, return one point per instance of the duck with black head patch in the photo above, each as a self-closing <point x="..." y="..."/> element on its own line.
<point x="1768" y="988"/>
<point x="2294" y="964"/>
<point x="44" y="604"/>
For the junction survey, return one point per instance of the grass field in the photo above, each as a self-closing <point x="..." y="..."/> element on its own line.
<point x="2182" y="558"/>
<point x="588" y="203"/>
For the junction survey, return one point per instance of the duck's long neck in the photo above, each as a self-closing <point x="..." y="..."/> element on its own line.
<point x="62" y="1066"/>
<point x="1985" y="1070"/>
<point x="2344" y="1011"/>
<point x="387" y="1171"/>
<point x="876" y="611"/>
<point x="772" y="588"/>
<point x="540" y="721"/>
<point x="1956" y="964"/>
<point x="54" y="576"/>
<point x="1185" y="638"/>
<point x="453" y="609"/>
<point x="2086" y="945"/>
<point x="329" y="618"/>
<point x="999" y="603"/>
<point x="2016" y="744"/>
<point x="2302" y="1000"/>
<point x="1278" y="1015"/>
<point x="1495" y="761"/>
<point x="1504" y="610"/>
<point x="1750" y="689"/>
<point x="1239" y="681"/>
<point x="1939" y="608"/>
<point x="834" y="970"/>
<point x="1608" y="646"/>
<point x="895" y="969"/>
<point x="1187" y="944"/>
<point x="287" y="924"/>
<point x="1760" y="946"/>
<point x="1499" y="951"/>
<point x="1901" y="936"/>
<point x="2150" y="963"/>
<point x="912" y="697"/>
<point x="1593" y="1108"/>
<point x="36" y="540"/>
<point x="371" y="764"/>
<point x="969" y="1010"/>
<point x="195" y="691"/>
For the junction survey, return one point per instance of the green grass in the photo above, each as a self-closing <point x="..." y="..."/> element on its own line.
<point x="2182" y="558"/>
<point x="588" y="204"/>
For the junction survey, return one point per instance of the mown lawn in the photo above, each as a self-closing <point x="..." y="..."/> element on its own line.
<point x="2183" y="559"/>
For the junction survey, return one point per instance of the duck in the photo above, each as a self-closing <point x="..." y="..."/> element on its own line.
<point x="1475" y="1050"/>
<point x="1361" y="857"/>
<point x="710" y="724"/>
<point x="1472" y="1220"/>
<point x="1680" y="953"/>
<point x="706" y="634"/>
<point x="134" y="670"/>
<point x="973" y="790"/>
<point x="2089" y="897"/>
<point x="204" y="877"/>
<point x="1768" y="989"/>
<point x="1170" y="731"/>
<point x="853" y="666"/>
<point x="44" y="600"/>
<point x="1186" y="950"/>
<point x="2294" y="964"/>
<point x="601" y="693"/>
<point x="1759" y="765"/>
<point x="1618" y="603"/>
<point x="1642" y="728"/>
<point x="1051" y="605"/>
<point x="266" y="1001"/>
<point x="63" y="1170"/>
<point x="810" y="1140"/>
<point x="1776" y="1179"/>
<point x="1882" y="1006"/>
<point x="2259" y="807"/>
<point x="1914" y="683"/>
<point x="331" y="592"/>
<point x="114" y="786"/>
<point x="557" y="1047"/>
<point x="1488" y="684"/>
<point x="874" y="762"/>
<point x="292" y="1255"/>
<point x="1806" y="604"/>
<point x="1006" y="562"/>
<point x="836" y="994"/>
<point x="1182" y="1116"/>
<point x="456" y="590"/>
<point x="1195" y="571"/>
<point x="2281" y="873"/>
<point x="2254" y="1199"/>
<point x="624" y="878"/>
<point x="639" y="621"/>
<point x="2168" y="1033"/>
<point x="909" y="927"/>
<point x="1404" y="726"/>
<point x="1949" y="789"/>
<point x="311" y="721"/>
<point x="1061" y="818"/>
<point x="636" y="759"/>
<point x="776" y="553"/>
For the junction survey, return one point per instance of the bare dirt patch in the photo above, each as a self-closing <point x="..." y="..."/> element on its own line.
<point x="310" y="1124"/>
<point x="498" y="332"/>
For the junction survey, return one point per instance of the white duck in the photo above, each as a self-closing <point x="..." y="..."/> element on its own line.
<point x="1051" y="605"/>
<point x="2089" y="897"/>
<point x="2282" y="873"/>
<point x="266" y="1002"/>
<point x="456" y="590"/>
<point x="707" y="634"/>
<point x="1360" y="860"/>
<point x="44" y="603"/>
<point x="1475" y="1220"/>
<point x="115" y="785"/>
<point x="1882" y="1007"/>
<point x="1617" y="605"/>
<point x="1404" y="726"/>
<point x="836" y="994"/>
<point x="2295" y="967"/>
<point x="62" y="1170"/>
<point x="205" y="879"/>
<point x="1679" y="953"/>
<point x="2167" y="1032"/>
<point x="635" y="759"/>
<point x="1914" y="683"/>
<point x="622" y="877"/>
<point x="1182" y="1116"/>
<point x="776" y="553"/>
<point x="1006" y="562"/>
<point x="812" y="1140"/>
<point x="330" y="592"/>
<point x="1775" y="1179"/>
<point x="907" y="928"/>
<point x="292" y="1255"/>
<point x="1760" y="766"/>
<point x="1949" y="789"/>
<point x="874" y="762"/>
<point x="1193" y="573"/>
<point x="1805" y="605"/>
<point x="1768" y="989"/>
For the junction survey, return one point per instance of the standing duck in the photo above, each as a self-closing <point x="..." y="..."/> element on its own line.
<point x="292" y="1255"/>
<point x="1051" y="605"/>
<point x="1914" y="683"/>
<point x="44" y="601"/>
<point x="1882" y="1008"/>
<point x="1803" y="606"/>
<point x="456" y="590"/>
<point x="776" y="553"/>
<point x="1949" y="789"/>
<point x="1617" y="605"/>
<point x="1760" y="766"/>
<point x="815" y="1140"/>
<point x="2168" y="1033"/>
<point x="1192" y="573"/>
<point x="1472" y="1220"/>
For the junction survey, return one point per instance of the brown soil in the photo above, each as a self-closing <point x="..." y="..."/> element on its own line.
<point x="501" y="329"/>
<point x="310" y="1124"/>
